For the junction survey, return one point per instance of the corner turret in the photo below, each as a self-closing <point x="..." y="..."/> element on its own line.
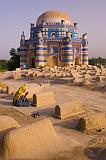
<point x="75" y="33"/>
<point x="22" y="42"/>
<point x="41" y="51"/>
<point x="84" y="50"/>
<point x="67" y="51"/>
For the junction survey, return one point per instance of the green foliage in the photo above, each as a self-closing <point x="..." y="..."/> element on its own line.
<point x="14" y="61"/>
<point x="3" y="65"/>
<point x="99" y="60"/>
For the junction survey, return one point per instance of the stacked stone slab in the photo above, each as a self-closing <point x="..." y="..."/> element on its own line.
<point x="92" y="74"/>
<point x="44" y="99"/>
<point x="7" y="75"/>
<point x="3" y="88"/>
<point x="95" y="79"/>
<point x="92" y="122"/>
<point x="79" y="79"/>
<point x="69" y="109"/>
<point x="16" y="75"/>
<point x="102" y="78"/>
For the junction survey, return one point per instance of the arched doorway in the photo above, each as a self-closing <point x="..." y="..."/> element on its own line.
<point x="53" y="35"/>
<point x="77" y="55"/>
<point x="32" y="62"/>
<point x="54" y="61"/>
<point x="77" y="60"/>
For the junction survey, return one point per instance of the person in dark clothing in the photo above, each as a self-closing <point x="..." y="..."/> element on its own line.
<point x="23" y="101"/>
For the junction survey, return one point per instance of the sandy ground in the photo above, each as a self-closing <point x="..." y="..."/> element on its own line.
<point x="94" y="100"/>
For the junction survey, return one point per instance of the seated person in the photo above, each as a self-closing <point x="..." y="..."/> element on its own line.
<point x="23" y="101"/>
<point x="20" y="97"/>
<point x="21" y="92"/>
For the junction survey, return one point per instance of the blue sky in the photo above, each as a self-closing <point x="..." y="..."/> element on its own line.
<point x="16" y="16"/>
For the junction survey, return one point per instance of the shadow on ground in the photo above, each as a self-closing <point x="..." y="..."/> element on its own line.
<point x="96" y="153"/>
<point x="77" y="153"/>
<point x="48" y="112"/>
<point x="69" y="124"/>
<point x="100" y="89"/>
<point x="6" y="103"/>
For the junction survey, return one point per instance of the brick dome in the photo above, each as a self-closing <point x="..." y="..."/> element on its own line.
<point x="53" y="17"/>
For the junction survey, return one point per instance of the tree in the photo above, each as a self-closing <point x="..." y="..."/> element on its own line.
<point x="99" y="60"/>
<point x="14" y="61"/>
<point x="3" y="65"/>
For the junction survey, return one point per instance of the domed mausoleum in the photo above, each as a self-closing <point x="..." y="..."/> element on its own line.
<point x="54" y="41"/>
